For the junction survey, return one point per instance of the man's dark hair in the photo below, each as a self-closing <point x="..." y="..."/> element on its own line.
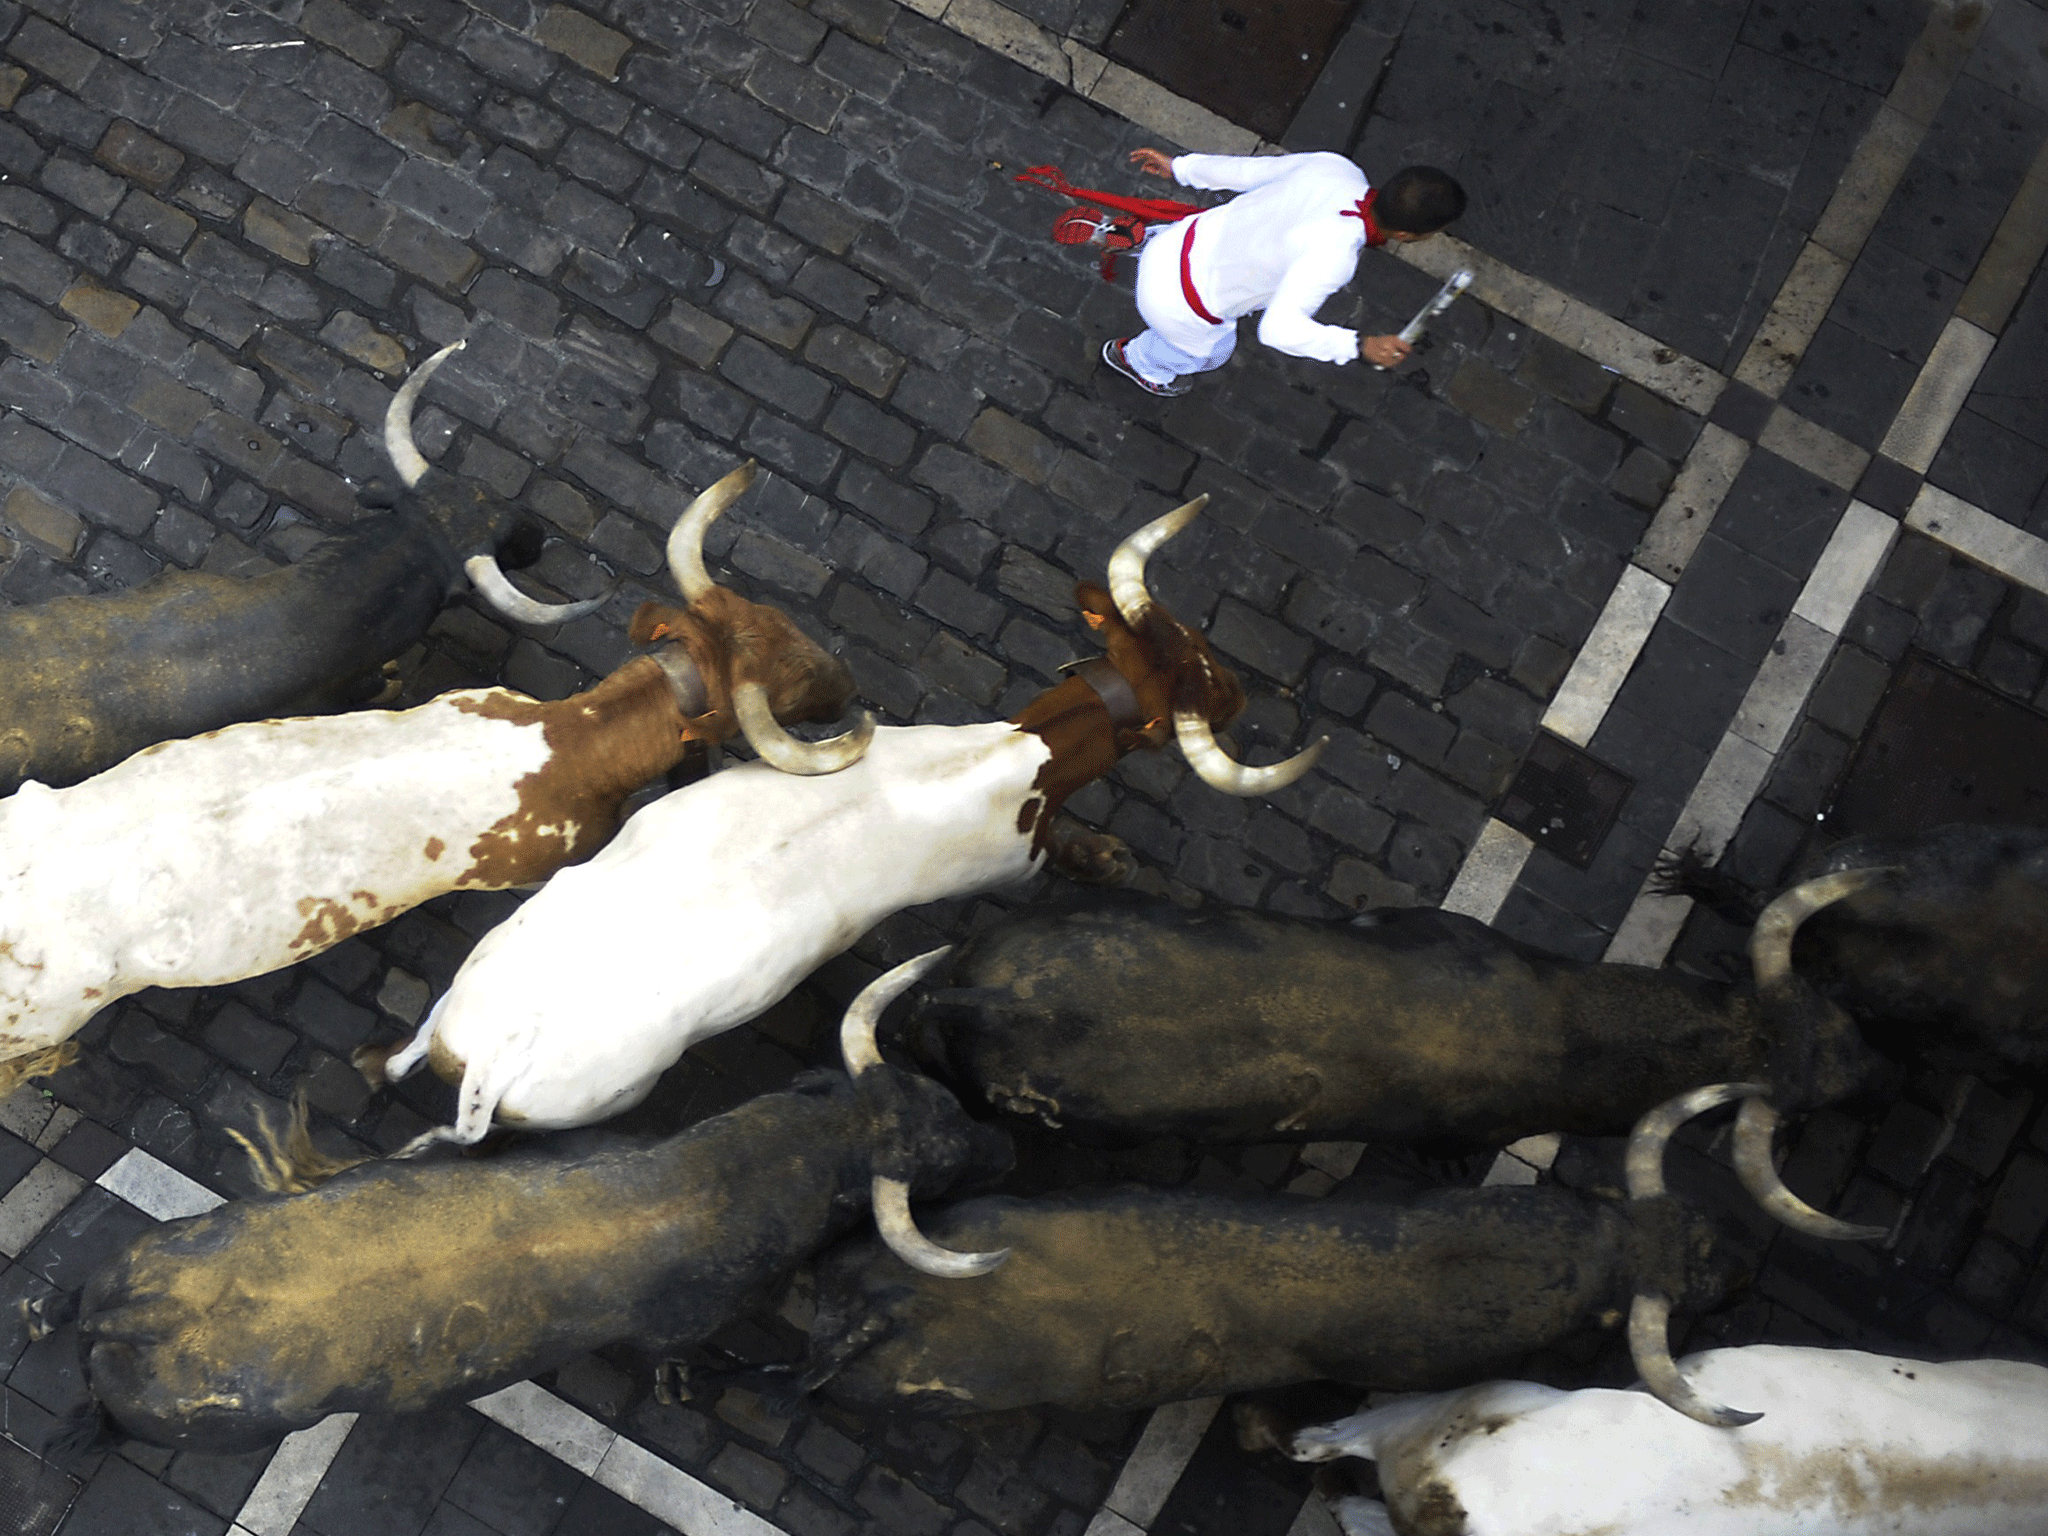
<point x="1418" y="201"/>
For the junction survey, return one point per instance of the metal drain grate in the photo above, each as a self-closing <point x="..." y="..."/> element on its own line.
<point x="1944" y="748"/>
<point x="1563" y="800"/>
<point x="1251" y="61"/>
<point x="33" y="1494"/>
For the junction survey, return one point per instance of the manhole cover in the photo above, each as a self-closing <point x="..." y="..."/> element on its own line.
<point x="1563" y="800"/>
<point x="1944" y="748"/>
<point x="1251" y="61"/>
<point x="33" y="1494"/>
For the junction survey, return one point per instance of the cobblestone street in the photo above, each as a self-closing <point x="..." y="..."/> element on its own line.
<point x="1740" y="435"/>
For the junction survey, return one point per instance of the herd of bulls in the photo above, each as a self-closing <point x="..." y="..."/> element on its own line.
<point x="246" y="843"/>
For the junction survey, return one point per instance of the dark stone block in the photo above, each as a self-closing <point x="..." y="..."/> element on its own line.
<point x="1732" y="599"/>
<point x="391" y="1472"/>
<point x="1992" y="466"/>
<point x="514" y="1487"/>
<point x="88" y="1150"/>
<point x="91" y="1231"/>
<point x="1742" y="410"/>
<point x="1850" y="385"/>
<point x="1888" y="485"/>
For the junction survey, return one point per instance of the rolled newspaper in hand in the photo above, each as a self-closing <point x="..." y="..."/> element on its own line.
<point x="1412" y="331"/>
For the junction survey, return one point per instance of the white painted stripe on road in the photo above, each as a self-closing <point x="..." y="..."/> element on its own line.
<point x="542" y="1419"/>
<point x="1163" y="1452"/>
<point x="1489" y="871"/>
<point x="287" y="1485"/>
<point x="670" y="1494"/>
<point x="155" y="1188"/>
<point x="2012" y="552"/>
<point x="1610" y="651"/>
<point x="1937" y="395"/>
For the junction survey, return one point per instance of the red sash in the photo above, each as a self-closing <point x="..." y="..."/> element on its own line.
<point x="1187" y="276"/>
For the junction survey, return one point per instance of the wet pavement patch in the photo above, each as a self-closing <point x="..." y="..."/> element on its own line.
<point x="1251" y="61"/>
<point x="1944" y="748"/>
<point x="1563" y="800"/>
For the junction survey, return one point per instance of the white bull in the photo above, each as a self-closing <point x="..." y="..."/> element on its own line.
<point x="1850" y="1444"/>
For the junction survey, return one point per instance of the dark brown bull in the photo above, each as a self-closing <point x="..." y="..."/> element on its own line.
<point x="86" y="681"/>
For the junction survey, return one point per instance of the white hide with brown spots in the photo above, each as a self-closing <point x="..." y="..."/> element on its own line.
<point x="1850" y="1444"/>
<point x="204" y="861"/>
<point x="709" y="906"/>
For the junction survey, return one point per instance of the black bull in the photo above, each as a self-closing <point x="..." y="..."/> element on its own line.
<point x="1138" y="1020"/>
<point x="402" y="1287"/>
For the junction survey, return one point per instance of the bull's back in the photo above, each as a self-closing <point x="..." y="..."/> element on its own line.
<point x="1241" y="1025"/>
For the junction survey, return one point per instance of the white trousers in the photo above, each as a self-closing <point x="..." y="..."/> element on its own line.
<point x="1176" y="339"/>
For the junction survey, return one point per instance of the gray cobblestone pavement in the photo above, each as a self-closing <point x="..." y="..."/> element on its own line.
<point x="681" y="233"/>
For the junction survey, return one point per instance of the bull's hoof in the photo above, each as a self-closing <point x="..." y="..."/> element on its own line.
<point x="1097" y="858"/>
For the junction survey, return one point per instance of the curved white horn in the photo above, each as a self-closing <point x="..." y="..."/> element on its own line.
<point x="1647" y="1141"/>
<point x="1770" y="941"/>
<point x="405" y="454"/>
<point x="1755" y="1127"/>
<point x="686" y="539"/>
<point x="1649" y="1345"/>
<point x="892" y="1220"/>
<point x="791" y="754"/>
<point x="497" y="590"/>
<point x="857" y="1030"/>
<point x="1219" y="770"/>
<point x="1127" y="564"/>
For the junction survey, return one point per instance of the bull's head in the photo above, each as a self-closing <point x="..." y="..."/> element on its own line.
<point x="746" y="667"/>
<point x="481" y="564"/>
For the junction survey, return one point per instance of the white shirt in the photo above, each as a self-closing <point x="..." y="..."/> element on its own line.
<point x="1284" y="246"/>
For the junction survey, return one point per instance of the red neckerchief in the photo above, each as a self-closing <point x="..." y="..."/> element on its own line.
<point x="1374" y="235"/>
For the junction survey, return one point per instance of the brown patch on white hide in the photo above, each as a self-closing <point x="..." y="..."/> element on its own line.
<point x="328" y="921"/>
<point x="434" y="849"/>
<point x="1883" y="1488"/>
<point x="733" y="641"/>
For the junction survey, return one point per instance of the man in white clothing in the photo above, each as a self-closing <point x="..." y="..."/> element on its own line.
<point x="1289" y="242"/>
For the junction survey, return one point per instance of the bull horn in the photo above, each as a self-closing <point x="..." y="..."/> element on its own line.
<point x="496" y="588"/>
<point x="1127" y="565"/>
<point x="1219" y="770"/>
<point x="892" y="1220"/>
<point x="792" y="754"/>
<point x="1649" y="1344"/>
<point x="857" y="1030"/>
<point x="1649" y="1317"/>
<point x="1755" y="1127"/>
<point x="686" y="539"/>
<point x="405" y="454"/>
<point x="1770" y="942"/>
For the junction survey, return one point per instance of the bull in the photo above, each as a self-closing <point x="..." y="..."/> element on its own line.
<point x="1853" y="1444"/>
<point x="1129" y="1298"/>
<point x="1942" y="957"/>
<point x="404" y="1287"/>
<point x="763" y="876"/>
<point x="87" y="681"/>
<point x="1125" y="1020"/>
<point x="258" y="845"/>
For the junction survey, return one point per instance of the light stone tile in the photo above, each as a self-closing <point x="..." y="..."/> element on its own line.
<point x="1689" y="506"/>
<point x="1315" y="1519"/>
<point x="670" y="1494"/>
<point x="1001" y="30"/>
<point x="1714" y="810"/>
<point x="1787" y="331"/>
<point x="1646" y="935"/>
<point x="1603" y="662"/>
<point x="1779" y="691"/>
<point x="62" y="1118"/>
<point x="1538" y="1151"/>
<point x="155" y="1188"/>
<point x="1163" y="1452"/>
<point x="1663" y="371"/>
<point x="934" y="9"/>
<point x="288" y="1483"/>
<point x="1339" y="1159"/>
<point x="35" y="1201"/>
<point x="1489" y="872"/>
<point x="26" y="1111"/>
<point x="1938" y="394"/>
<point x="1108" y="1522"/>
<point x="1084" y="65"/>
<point x="1157" y="110"/>
<point x="2015" y="252"/>
<point x="1813" y="448"/>
<point x="540" y="1418"/>
<point x="1880" y="158"/>
<point x="1971" y="531"/>
<point x="1509" y="1169"/>
<point x="1855" y="551"/>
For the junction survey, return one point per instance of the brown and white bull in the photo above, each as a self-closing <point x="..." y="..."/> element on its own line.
<point x="1132" y="1020"/>
<point x="86" y="681"/>
<point x="200" y="862"/>
<point x="404" y="1287"/>
<point x="1850" y="1444"/>
<point x="1128" y="1298"/>
<point x="716" y="900"/>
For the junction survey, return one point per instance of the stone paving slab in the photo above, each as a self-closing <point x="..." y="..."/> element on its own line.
<point x="224" y="234"/>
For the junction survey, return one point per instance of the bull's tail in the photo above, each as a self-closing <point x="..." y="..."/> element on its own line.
<point x="17" y="1070"/>
<point x="1688" y="873"/>
<point x="287" y="1162"/>
<point x="81" y="1432"/>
